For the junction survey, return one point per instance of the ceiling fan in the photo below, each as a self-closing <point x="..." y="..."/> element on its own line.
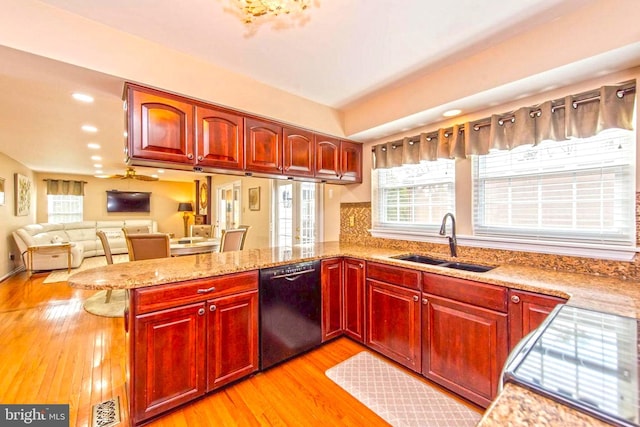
<point x="130" y="173"/>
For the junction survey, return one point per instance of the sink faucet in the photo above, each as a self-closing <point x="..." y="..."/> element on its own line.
<point x="453" y="243"/>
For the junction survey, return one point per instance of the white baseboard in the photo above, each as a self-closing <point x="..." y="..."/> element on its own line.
<point x="12" y="273"/>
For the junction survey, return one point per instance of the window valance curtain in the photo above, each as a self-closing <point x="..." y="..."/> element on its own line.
<point x="59" y="187"/>
<point x="575" y="116"/>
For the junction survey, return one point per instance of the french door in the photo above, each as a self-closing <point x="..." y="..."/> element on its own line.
<point x="297" y="207"/>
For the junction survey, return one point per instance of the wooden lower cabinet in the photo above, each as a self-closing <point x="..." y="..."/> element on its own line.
<point x="331" y="298"/>
<point x="353" y="298"/>
<point x="232" y="338"/>
<point x="463" y="347"/>
<point x="527" y="310"/>
<point x="393" y="322"/>
<point x="168" y="360"/>
<point x="206" y="339"/>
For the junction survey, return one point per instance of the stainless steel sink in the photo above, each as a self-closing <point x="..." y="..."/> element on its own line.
<point x="421" y="259"/>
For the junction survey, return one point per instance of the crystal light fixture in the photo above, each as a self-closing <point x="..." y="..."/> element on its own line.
<point x="252" y="9"/>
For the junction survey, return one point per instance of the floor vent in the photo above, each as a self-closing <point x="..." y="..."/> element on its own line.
<point x="106" y="414"/>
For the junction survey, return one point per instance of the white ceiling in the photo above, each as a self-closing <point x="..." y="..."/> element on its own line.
<point x="343" y="52"/>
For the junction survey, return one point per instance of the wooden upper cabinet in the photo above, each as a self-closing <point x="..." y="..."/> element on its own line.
<point x="327" y="158"/>
<point x="220" y="138"/>
<point x="160" y="126"/>
<point x="263" y="146"/>
<point x="338" y="160"/>
<point x="298" y="151"/>
<point x="351" y="161"/>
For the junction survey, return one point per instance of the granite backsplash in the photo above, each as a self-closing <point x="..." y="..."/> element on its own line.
<point x="358" y="233"/>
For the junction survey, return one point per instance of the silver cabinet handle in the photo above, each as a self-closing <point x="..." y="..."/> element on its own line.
<point x="190" y="156"/>
<point x="416" y="298"/>
<point x="212" y="307"/>
<point x="206" y="291"/>
<point x="201" y="311"/>
<point x="425" y="301"/>
<point x="361" y="265"/>
<point x="200" y="158"/>
<point x="515" y="299"/>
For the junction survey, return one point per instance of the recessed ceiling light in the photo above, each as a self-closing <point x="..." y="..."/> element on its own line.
<point x="82" y="97"/>
<point x="89" y="128"/>
<point x="452" y="113"/>
<point x="93" y="146"/>
<point x="97" y="165"/>
<point x="160" y="170"/>
<point x="98" y="171"/>
<point x="154" y="176"/>
<point x="101" y="176"/>
<point x="96" y="158"/>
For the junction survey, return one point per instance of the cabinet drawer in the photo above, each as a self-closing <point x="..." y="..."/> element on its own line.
<point x="394" y="275"/>
<point x="475" y="293"/>
<point x="175" y="294"/>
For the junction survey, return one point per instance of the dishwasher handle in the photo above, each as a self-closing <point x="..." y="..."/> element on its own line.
<point x="292" y="276"/>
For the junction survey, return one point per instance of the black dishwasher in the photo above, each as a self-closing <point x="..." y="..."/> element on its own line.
<point x="290" y="311"/>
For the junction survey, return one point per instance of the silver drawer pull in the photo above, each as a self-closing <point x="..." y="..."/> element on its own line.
<point x="515" y="299"/>
<point x="201" y="312"/>
<point x="212" y="307"/>
<point x="206" y="291"/>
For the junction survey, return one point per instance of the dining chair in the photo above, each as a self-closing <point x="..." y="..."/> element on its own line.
<point x="107" y="254"/>
<point x="244" y="237"/>
<point x="148" y="246"/>
<point x="201" y="230"/>
<point x="232" y="239"/>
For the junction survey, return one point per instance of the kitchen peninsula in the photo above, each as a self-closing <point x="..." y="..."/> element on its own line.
<point x="591" y="292"/>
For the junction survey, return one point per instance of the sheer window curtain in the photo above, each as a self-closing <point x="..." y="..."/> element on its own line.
<point x="576" y="116"/>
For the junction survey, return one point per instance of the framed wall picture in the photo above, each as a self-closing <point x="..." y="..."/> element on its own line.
<point x="254" y="199"/>
<point x="22" y="194"/>
<point x="2" y="193"/>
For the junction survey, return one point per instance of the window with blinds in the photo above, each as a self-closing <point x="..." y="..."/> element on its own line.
<point x="64" y="208"/>
<point x="581" y="191"/>
<point x="414" y="196"/>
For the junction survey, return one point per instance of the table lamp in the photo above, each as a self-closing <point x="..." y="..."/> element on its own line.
<point x="185" y="208"/>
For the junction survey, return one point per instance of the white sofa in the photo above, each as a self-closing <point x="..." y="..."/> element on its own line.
<point x="82" y="236"/>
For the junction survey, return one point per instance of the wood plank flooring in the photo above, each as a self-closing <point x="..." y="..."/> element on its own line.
<point x="52" y="351"/>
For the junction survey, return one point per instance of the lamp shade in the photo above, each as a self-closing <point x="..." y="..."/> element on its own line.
<point x="185" y="207"/>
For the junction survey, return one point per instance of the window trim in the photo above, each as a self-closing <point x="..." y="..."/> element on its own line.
<point x="605" y="252"/>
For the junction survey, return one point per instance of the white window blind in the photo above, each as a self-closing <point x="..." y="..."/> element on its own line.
<point x="414" y="196"/>
<point x="64" y="208"/>
<point x="581" y="191"/>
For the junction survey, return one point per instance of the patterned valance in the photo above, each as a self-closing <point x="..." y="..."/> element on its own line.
<point x="60" y="187"/>
<point x="575" y="116"/>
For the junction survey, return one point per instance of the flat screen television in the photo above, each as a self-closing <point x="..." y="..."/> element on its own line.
<point x="128" y="201"/>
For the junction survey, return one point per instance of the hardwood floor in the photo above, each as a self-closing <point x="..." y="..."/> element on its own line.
<point x="52" y="351"/>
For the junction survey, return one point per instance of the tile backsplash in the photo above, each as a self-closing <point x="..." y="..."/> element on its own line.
<point x="355" y="222"/>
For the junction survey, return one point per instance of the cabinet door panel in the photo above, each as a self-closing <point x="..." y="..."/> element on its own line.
<point x="220" y="139"/>
<point x="393" y="322"/>
<point x="298" y="152"/>
<point x="168" y="359"/>
<point x="351" y="161"/>
<point x="331" y="298"/>
<point x="160" y="127"/>
<point x="232" y="338"/>
<point x="527" y="311"/>
<point x="263" y="146"/>
<point x="464" y="347"/>
<point x="327" y="158"/>
<point x="354" y="298"/>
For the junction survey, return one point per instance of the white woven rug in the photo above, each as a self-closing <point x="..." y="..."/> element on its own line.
<point x="396" y="396"/>
<point x="92" y="262"/>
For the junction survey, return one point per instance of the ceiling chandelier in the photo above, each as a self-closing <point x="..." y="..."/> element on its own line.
<point x="252" y="9"/>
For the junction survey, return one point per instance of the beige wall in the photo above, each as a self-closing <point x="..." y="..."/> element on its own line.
<point x="8" y="221"/>
<point x="165" y="196"/>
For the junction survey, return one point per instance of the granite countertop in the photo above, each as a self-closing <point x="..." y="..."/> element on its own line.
<point x="514" y="406"/>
